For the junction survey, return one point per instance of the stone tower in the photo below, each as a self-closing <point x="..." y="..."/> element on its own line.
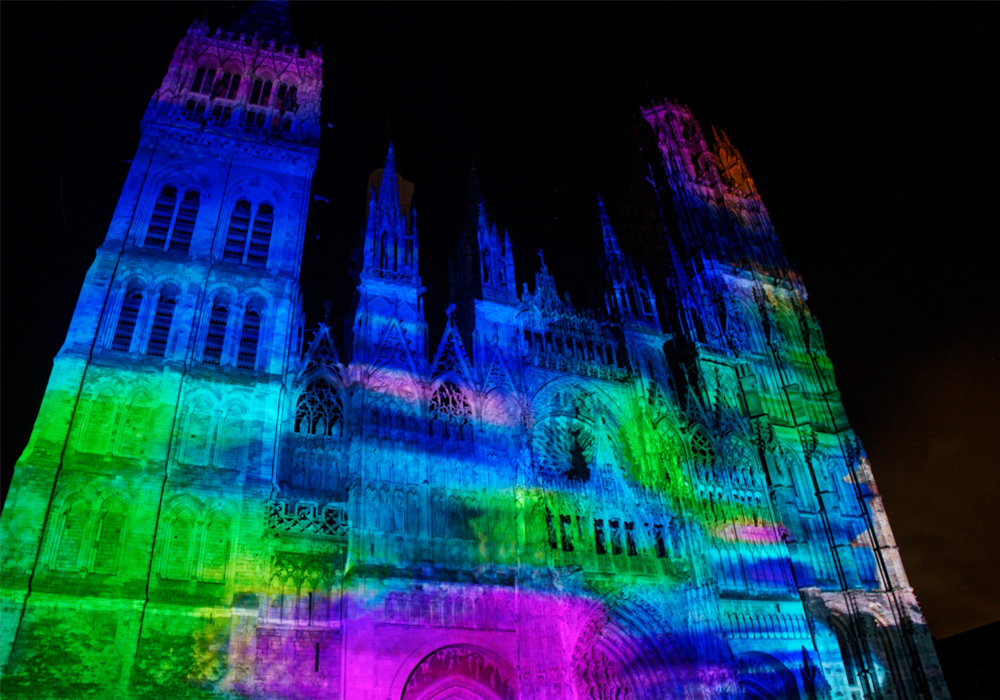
<point x="657" y="498"/>
<point x="151" y="460"/>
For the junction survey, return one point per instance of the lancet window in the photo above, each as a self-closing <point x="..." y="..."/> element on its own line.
<point x="216" y="336"/>
<point x="319" y="411"/>
<point x="172" y="224"/>
<point x="111" y="529"/>
<point x="246" y="357"/>
<point x="239" y="225"/>
<point x="128" y="316"/>
<point x="245" y="243"/>
<point x="162" y="319"/>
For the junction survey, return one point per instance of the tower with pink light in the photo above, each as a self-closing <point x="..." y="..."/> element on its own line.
<point x="658" y="497"/>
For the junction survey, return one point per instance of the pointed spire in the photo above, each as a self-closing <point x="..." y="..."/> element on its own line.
<point x="390" y="232"/>
<point x="388" y="192"/>
<point x="611" y="248"/>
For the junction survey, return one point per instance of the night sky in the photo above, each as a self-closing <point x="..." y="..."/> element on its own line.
<point x="870" y="129"/>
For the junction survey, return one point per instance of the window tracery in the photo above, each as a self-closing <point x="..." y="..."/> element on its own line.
<point x="319" y="411"/>
<point x="450" y="412"/>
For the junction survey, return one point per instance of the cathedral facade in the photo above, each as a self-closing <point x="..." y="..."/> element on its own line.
<point x="657" y="498"/>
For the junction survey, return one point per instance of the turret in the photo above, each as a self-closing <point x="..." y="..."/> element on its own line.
<point x="390" y="317"/>
<point x="628" y="299"/>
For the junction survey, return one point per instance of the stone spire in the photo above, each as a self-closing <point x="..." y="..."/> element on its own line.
<point x="390" y="232"/>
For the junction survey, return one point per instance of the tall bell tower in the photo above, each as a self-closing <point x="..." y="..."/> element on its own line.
<point x="154" y="448"/>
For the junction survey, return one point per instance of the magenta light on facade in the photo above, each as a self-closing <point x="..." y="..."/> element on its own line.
<point x="657" y="498"/>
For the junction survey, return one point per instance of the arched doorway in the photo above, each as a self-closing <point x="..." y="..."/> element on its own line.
<point x="763" y="677"/>
<point x="459" y="673"/>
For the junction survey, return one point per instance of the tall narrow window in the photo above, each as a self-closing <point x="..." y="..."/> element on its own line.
<point x="661" y="548"/>
<point x="213" y="567"/>
<point x="260" y="94"/>
<point x="599" y="536"/>
<point x="247" y="357"/>
<point x="566" y="531"/>
<point x="101" y="423"/>
<point x="630" y="539"/>
<point x="160" y="332"/>
<point x="616" y="537"/>
<point x="74" y="527"/>
<point x="159" y="222"/>
<point x="285" y="99"/>
<point x="182" y="534"/>
<point x="260" y="237"/>
<point x="216" y="337"/>
<point x="109" y="539"/>
<point x="239" y="226"/>
<point x="180" y="239"/>
<point x="127" y="318"/>
<point x="204" y="78"/>
<point x="226" y="86"/>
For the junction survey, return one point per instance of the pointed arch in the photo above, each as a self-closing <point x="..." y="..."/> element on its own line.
<point x="319" y="410"/>
<point x="232" y="439"/>
<point x="135" y="426"/>
<point x="450" y="411"/>
<point x="216" y="546"/>
<point x="102" y="420"/>
<point x="163" y="316"/>
<point x="197" y="432"/>
<point x="181" y="543"/>
<point x="457" y="672"/>
<point x="128" y="316"/>
<point x="72" y="533"/>
<point x="110" y="535"/>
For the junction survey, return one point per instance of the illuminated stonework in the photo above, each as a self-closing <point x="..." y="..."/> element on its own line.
<point x="660" y="498"/>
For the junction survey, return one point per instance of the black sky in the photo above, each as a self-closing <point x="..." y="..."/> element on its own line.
<point x="870" y="130"/>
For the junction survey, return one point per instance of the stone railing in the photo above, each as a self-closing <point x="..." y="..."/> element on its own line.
<point x="308" y="517"/>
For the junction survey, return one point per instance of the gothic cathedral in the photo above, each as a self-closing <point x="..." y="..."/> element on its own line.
<point x="660" y="498"/>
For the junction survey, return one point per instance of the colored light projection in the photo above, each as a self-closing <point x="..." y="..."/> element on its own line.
<point x="587" y="508"/>
<point x="566" y="523"/>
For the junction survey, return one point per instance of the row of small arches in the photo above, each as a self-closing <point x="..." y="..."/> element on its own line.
<point x="145" y="329"/>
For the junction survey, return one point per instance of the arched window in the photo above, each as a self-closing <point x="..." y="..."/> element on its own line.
<point x="260" y="237"/>
<point x="180" y="545"/>
<point x="111" y="530"/>
<point x="286" y="100"/>
<point x="249" y="335"/>
<point x="236" y="238"/>
<point x="127" y="318"/>
<point x="231" y="450"/>
<point x="180" y="239"/>
<point x="134" y="430"/>
<point x="159" y="222"/>
<point x="216" y="337"/>
<point x="196" y="434"/>
<point x="319" y="411"/>
<point x="213" y="569"/>
<point x="226" y="86"/>
<point x="260" y="93"/>
<point x="75" y="519"/>
<point x="101" y="424"/>
<point x="164" y="316"/>
<point x="204" y="79"/>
